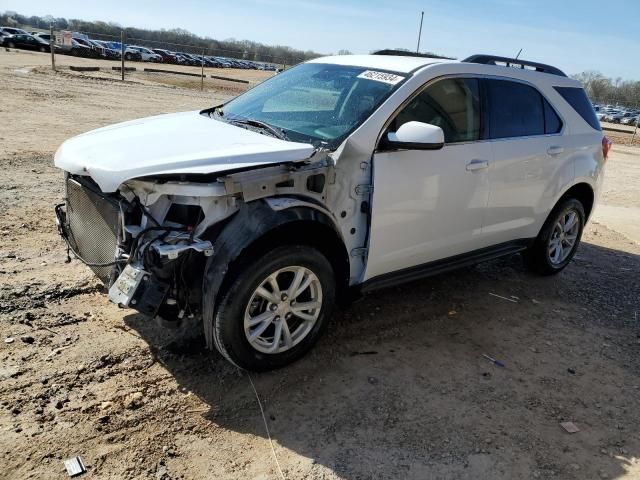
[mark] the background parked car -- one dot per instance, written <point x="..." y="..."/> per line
<point x="43" y="36"/>
<point x="12" y="31"/>
<point x="630" y="120"/>
<point x="110" y="53"/>
<point x="617" y="117"/>
<point x="25" y="42"/>
<point x="146" y="54"/>
<point x="188" y="59"/>
<point x="167" y="56"/>
<point x="132" y="54"/>
<point x="94" y="51"/>
<point x="78" y="49"/>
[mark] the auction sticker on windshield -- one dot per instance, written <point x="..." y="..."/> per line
<point x="390" y="78"/>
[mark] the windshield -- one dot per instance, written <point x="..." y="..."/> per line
<point x="315" y="103"/>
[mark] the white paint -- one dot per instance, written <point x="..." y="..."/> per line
<point x="417" y="132"/>
<point x="428" y="206"/>
<point x="381" y="62"/>
<point x="176" y="143"/>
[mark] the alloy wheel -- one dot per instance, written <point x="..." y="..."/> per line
<point x="564" y="237"/>
<point x="283" y="309"/>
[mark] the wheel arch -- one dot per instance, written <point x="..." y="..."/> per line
<point x="584" y="193"/>
<point x="258" y="227"/>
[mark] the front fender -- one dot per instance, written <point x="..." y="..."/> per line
<point x="253" y="221"/>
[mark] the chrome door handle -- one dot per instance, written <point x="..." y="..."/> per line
<point x="555" y="151"/>
<point x="477" y="165"/>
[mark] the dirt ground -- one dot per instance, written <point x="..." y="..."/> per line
<point x="398" y="388"/>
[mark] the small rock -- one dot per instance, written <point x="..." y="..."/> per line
<point x="27" y="339"/>
<point x="133" y="401"/>
<point x="9" y="340"/>
<point x="572" y="371"/>
<point x="373" y="380"/>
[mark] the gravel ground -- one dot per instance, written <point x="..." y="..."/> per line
<point x="398" y="388"/>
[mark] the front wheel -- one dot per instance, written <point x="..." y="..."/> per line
<point x="558" y="240"/>
<point x="275" y="309"/>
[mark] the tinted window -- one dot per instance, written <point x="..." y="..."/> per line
<point x="452" y="104"/>
<point x="515" y="110"/>
<point x="577" y="98"/>
<point x="552" y="123"/>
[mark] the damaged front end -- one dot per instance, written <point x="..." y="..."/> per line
<point x="144" y="241"/>
<point x="149" y="241"/>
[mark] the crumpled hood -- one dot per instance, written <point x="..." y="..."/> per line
<point x="185" y="142"/>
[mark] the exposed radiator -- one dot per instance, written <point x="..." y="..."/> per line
<point x="93" y="226"/>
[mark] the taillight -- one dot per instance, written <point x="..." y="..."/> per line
<point x="606" y="146"/>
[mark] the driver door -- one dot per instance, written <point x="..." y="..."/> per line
<point x="429" y="204"/>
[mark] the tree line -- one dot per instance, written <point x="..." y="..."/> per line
<point x="173" y="39"/>
<point x="610" y="90"/>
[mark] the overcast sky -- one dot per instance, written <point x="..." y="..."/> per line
<point x="575" y="35"/>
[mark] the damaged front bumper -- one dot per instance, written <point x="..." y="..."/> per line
<point x="142" y="263"/>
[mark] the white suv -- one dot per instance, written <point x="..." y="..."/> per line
<point x="343" y="173"/>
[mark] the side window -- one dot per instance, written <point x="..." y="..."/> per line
<point x="577" y="98"/>
<point x="452" y="104"/>
<point x="552" y="123"/>
<point x="515" y="110"/>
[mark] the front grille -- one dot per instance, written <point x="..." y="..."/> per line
<point x="93" y="226"/>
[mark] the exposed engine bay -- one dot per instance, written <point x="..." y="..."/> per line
<point x="149" y="241"/>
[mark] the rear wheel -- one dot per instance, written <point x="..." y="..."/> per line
<point x="558" y="240"/>
<point x="43" y="49"/>
<point x="11" y="45"/>
<point x="275" y="309"/>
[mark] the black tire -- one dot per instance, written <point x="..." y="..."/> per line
<point x="11" y="45"/>
<point x="43" y="49"/>
<point x="127" y="56"/>
<point x="228" y="323"/>
<point x="537" y="257"/>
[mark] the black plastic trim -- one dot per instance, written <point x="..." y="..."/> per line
<point x="252" y="221"/>
<point x="390" y="146"/>
<point x="511" y="62"/>
<point x="445" y="265"/>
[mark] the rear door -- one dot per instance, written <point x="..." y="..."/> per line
<point x="428" y="204"/>
<point x="528" y="150"/>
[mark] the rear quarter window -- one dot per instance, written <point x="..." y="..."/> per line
<point x="577" y="98"/>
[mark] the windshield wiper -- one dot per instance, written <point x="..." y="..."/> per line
<point x="276" y="132"/>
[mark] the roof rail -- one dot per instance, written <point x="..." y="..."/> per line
<point x="514" y="63"/>
<point x="407" y="53"/>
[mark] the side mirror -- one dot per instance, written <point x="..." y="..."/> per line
<point x="415" y="136"/>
